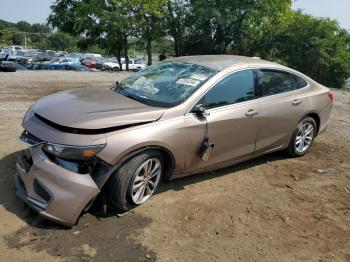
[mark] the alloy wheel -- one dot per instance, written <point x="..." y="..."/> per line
<point x="146" y="179"/>
<point x="304" y="137"/>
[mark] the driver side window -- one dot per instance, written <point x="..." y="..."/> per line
<point x="235" y="88"/>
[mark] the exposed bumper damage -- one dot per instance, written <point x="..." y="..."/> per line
<point x="54" y="192"/>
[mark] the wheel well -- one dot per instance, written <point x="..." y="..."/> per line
<point x="169" y="162"/>
<point x="317" y="120"/>
<point x="168" y="159"/>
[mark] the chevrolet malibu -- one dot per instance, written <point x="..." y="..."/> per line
<point x="182" y="116"/>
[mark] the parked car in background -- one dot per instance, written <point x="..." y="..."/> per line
<point x="112" y="64"/>
<point x="17" y="66"/>
<point x="16" y="55"/>
<point x="65" y="61"/>
<point x="89" y="62"/>
<point x="77" y="68"/>
<point x="133" y="65"/>
<point x="90" y="56"/>
<point x="347" y="83"/>
<point x="37" y="66"/>
<point x="183" y="116"/>
<point x="55" y="67"/>
<point x="6" y="67"/>
<point x="10" y="50"/>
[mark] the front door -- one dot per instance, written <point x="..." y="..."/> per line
<point x="231" y="123"/>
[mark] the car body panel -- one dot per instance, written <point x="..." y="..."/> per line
<point x="65" y="188"/>
<point x="179" y="132"/>
<point x="229" y="129"/>
<point x="94" y="108"/>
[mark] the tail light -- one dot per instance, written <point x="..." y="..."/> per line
<point x="330" y="96"/>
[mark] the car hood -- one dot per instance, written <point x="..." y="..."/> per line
<point x="94" y="108"/>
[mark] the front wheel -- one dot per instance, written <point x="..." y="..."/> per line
<point x="136" y="181"/>
<point x="303" y="137"/>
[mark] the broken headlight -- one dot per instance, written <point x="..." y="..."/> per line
<point x="75" y="153"/>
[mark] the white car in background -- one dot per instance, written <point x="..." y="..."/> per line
<point x="347" y="83"/>
<point x="114" y="65"/>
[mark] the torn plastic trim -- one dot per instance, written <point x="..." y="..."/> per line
<point x="84" y="131"/>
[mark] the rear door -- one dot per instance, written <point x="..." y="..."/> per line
<point x="282" y="106"/>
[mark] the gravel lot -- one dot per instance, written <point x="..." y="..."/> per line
<point x="269" y="209"/>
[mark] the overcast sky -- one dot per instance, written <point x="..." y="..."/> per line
<point x="36" y="11"/>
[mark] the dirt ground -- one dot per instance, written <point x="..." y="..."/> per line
<point x="269" y="209"/>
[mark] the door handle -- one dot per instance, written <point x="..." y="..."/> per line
<point x="297" y="102"/>
<point x="252" y="112"/>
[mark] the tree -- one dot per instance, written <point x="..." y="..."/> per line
<point x="146" y="20"/>
<point x="95" y="22"/>
<point x="317" y="47"/>
<point x="108" y="23"/>
<point x="221" y="26"/>
<point x="61" y="41"/>
<point x="24" y="26"/>
<point x="177" y="13"/>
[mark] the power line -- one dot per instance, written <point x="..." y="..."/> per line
<point x="23" y="32"/>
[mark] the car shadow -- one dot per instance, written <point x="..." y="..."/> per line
<point x="14" y="205"/>
<point x="180" y="183"/>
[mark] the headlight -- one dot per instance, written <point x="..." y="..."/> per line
<point x="77" y="153"/>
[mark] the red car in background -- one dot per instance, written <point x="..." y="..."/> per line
<point x="89" y="63"/>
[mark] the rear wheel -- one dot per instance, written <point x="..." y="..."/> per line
<point x="136" y="181"/>
<point x="303" y="137"/>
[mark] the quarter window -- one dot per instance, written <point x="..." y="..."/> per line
<point x="237" y="87"/>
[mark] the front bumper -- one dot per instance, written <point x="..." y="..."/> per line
<point x="55" y="192"/>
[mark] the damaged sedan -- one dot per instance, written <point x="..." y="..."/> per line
<point x="182" y="116"/>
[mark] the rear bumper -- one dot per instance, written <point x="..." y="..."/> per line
<point x="324" y="118"/>
<point x="54" y="192"/>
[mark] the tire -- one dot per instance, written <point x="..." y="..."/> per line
<point x="119" y="188"/>
<point x="300" y="142"/>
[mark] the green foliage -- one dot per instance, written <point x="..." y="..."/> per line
<point x="62" y="41"/>
<point x="264" y="28"/>
<point x="317" y="47"/>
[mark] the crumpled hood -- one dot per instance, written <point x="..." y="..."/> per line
<point x="94" y="108"/>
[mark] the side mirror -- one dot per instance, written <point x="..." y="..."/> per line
<point x="199" y="110"/>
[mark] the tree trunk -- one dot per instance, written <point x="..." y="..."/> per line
<point x="118" y="55"/>
<point x="176" y="46"/>
<point x="126" y="54"/>
<point x="149" y="50"/>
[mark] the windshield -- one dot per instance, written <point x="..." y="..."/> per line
<point x="166" y="84"/>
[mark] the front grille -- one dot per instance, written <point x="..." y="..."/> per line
<point x="41" y="191"/>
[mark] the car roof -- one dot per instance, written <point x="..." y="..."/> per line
<point x="222" y="62"/>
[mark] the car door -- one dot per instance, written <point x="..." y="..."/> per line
<point x="281" y="108"/>
<point x="231" y="119"/>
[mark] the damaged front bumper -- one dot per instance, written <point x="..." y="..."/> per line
<point x="56" y="193"/>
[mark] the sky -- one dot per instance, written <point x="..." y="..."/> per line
<point x="36" y="11"/>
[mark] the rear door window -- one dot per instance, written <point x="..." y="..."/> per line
<point x="298" y="82"/>
<point x="273" y="82"/>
